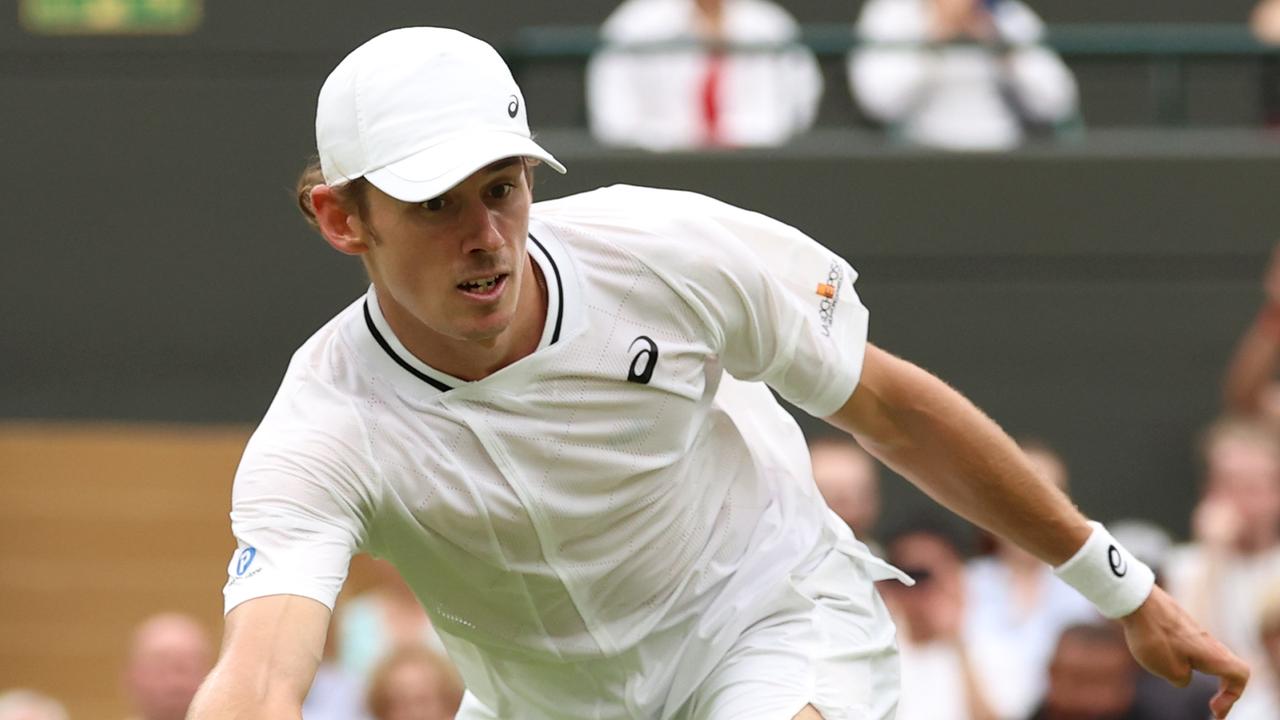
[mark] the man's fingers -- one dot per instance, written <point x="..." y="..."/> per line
<point x="1233" y="675"/>
<point x="1222" y="703"/>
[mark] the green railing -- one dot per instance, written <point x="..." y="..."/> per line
<point x="1167" y="48"/>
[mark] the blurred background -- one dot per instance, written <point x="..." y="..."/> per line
<point x="1064" y="208"/>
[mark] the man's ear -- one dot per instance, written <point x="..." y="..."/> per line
<point x="341" y="227"/>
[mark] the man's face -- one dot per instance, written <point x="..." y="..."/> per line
<point x="454" y="263"/>
<point x="1090" y="680"/>
<point x="848" y="482"/>
<point x="931" y="607"/>
<point x="166" y="668"/>
<point x="413" y="693"/>
<point x="1247" y="475"/>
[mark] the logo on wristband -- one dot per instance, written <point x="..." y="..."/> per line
<point x="1116" y="560"/>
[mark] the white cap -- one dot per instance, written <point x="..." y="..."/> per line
<point x="418" y="110"/>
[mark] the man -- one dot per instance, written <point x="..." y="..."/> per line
<point x="1223" y="575"/>
<point x="169" y="657"/>
<point x="939" y="678"/>
<point x="694" y="93"/>
<point x="522" y="415"/>
<point x="959" y="75"/>
<point x="849" y="481"/>
<point x="1092" y="677"/>
<point x="1016" y="609"/>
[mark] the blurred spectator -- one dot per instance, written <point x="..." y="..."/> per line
<point x="1151" y="544"/>
<point x="1017" y="607"/>
<point x="1251" y="387"/>
<point x="1220" y="578"/>
<point x="1265" y="21"/>
<point x="334" y="693"/>
<point x="168" y="659"/>
<point x="376" y="622"/>
<point x="699" y="96"/>
<point x="1257" y="704"/>
<point x="938" y="679"/>
<point x="414" y="683"/>
<point x="980" y="91"/>
<point x="849" y="480"/>
<point x="1265" y="24"/>
<point x="1092" y="676"/>
<point x="29" y="705"/>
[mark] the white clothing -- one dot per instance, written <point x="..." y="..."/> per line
<point x="1011" y="651"/>
<point x="957" y="97"/>
<point x="654" y="99"/>
<point x="592" y="527"/>
<point x="827" y="641"/>
<point x="932" y="683"/>
<point x="1234" y="603"/>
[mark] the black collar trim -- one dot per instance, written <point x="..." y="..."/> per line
<point x="555" y="269"/>
<point x="382" y="342"/>
<point x="443" y="387"/>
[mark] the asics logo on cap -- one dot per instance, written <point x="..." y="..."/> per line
<point x="513" y="107"/>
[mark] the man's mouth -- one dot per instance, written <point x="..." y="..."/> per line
<point x="484" y="287"/>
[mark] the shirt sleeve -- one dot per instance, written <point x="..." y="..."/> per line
<point x="780" y="307"/>
<point x="298" y="512"/>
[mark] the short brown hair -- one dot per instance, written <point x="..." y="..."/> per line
<point x="352" y="193"/>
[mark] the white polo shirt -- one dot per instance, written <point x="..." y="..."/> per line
<point x="596" y="501"/>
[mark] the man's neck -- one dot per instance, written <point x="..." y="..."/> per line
<point x="473" y="360"/>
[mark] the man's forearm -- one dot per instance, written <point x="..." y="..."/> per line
<point x="223" y="697"/>
<point x="1254" y="363"/>
<point x="942" y="443"/>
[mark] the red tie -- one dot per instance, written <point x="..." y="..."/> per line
<point x="711" y="98"/>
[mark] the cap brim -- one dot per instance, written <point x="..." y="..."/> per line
<point x="432" y="172"/>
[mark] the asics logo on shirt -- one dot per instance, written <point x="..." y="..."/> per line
<point x="642" y="364"/>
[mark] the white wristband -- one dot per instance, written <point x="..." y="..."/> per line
<point x="1107" y="575"/>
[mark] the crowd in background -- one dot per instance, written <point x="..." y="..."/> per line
<point x="960" y="75"/>
<point x="987" y="632"/>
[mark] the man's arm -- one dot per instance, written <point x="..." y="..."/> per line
<point x="1253" y="365"/>
<point x="270" y="651"/>
<point x="930" y="434"/>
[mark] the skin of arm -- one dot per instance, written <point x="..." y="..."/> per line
<point x="1253" y="366"/>
<point x="931" y="435"/>
<point x="270" y="651"/>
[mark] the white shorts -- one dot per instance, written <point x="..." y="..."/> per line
<point x="827" y="641"/>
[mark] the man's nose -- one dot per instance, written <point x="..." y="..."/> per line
<point x="481" y="229"/>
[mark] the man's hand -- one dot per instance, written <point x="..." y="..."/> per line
<point x="1167" y="642"/>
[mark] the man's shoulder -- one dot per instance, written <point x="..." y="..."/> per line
<point x="317" y="394"/>
<point x="672" y="229"/>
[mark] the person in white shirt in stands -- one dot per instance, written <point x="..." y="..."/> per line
<point x="701" y="96"/>
<point x="1015" y="609"/>
<point x="979" y="93"/>
<point x="523" y="415"/>
<point x="1222" y="577"/>
<point x="939" y="678"/>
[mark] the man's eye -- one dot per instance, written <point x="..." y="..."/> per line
<point x="501" y="191"/>
<point x="435" y="204"/>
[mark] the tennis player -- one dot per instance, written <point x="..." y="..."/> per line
<point x="553" y="420"/>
